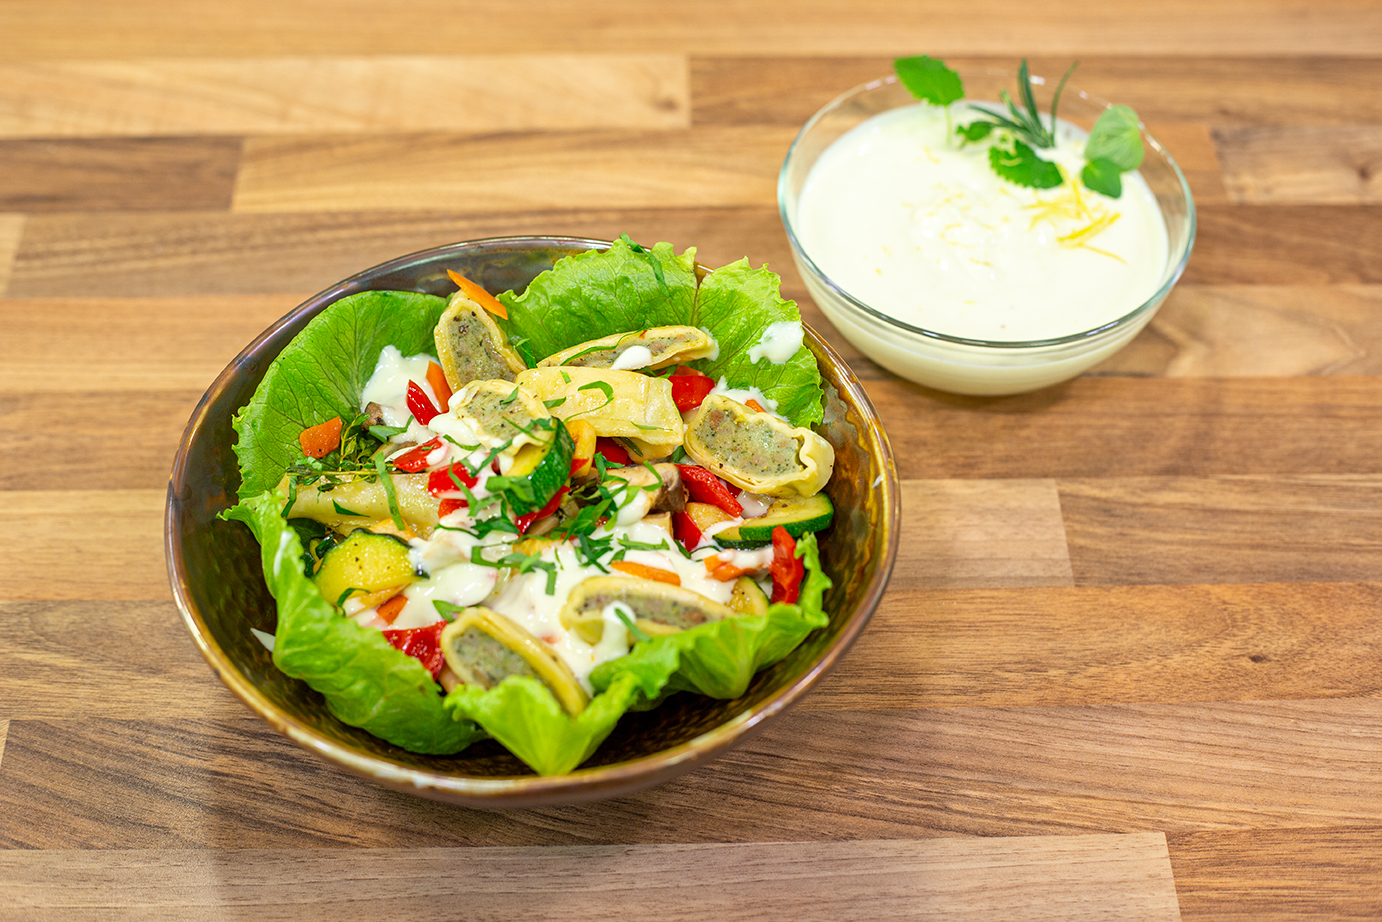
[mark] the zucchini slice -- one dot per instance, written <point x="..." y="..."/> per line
<point x="544" y="468"/>
<point x="797" y="514"/>
<point x="362" y="564"/>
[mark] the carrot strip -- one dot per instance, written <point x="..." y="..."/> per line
<point x="646" y="572"/>
<point x="322" y="439"/>
<point x="477" y="294"/>
<point x="437" y="378"/>
<point x="724" y="570"/>
<point x="389" y="610"/>
<point x="754" y="405"/>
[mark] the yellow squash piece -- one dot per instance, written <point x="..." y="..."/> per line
<point x="662" y="346"/>
<point x="365" y="563"/>
<point x="471" y="346"/>
<point x="483" y="648"/>
<point x="624" y="404"/>
<point x="658" y="608"/>
<point x="348" y="500"/>
<point x="756" y="451"/>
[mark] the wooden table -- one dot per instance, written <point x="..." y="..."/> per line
<point x="1128" y="665"/>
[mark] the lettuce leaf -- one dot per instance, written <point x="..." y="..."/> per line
<point x="366" y="682"/>
<point x="628" y="287"/>
<point x="321" y="374"/>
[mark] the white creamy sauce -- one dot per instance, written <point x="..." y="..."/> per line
<point x="633" y="358"/>
<point x="755" y="504"/>
<point x="920" y="228"/>
<point x="388" y="386"/>
<point x="745" y="394"/>
<point x="779" y="342"/>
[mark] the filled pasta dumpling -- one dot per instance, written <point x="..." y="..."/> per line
<point x="758" y="452"/>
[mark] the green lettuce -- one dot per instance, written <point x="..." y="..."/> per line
<point x="366" y="682"/>
<point x="321" y="374"/>
<point x="629" y="287"/>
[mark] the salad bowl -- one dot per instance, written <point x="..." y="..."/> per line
<point x="215" y="573"/>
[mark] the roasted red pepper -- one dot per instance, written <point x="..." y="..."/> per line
<point x="415" y="461"/>
<point x="440" y="481"/>
<point x="684" y="529"/>
<point x="422" y="644"/>
<point x="614" y="452"/>
<point x="705" y="487"/>
<point x="524" y="522"/>
<point x="450" y="505"/>
<point x="689" y="387"/>
<point x="420" y="404"/>
<point x="786" y="570"/>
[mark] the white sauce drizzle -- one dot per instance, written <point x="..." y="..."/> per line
<point x="633" y="358"/>
<point x="779" y="342"/>
<point x="388" y="386"/>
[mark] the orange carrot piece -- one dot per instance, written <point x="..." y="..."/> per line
<point x="437" y="378"/>
<point x="646" y="572"/>
<point x="723" y="570"/>
<point x="389" y="610"/>
<point x="754" y="405"/>
<point x="477" y="294"/>
<point x="322" y="439"/>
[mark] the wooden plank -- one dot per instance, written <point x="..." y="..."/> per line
<point x="993" y="533"/>
<point x="176" y="254"/>
<point x="1278" y="90"/>
<point x="1135" y="644"/>
<point x="474" y="93"/>
<point x="4" y="732"/>
<point x="143" y="666"/>
<point x="1037" y="878"/>
<point x="11" y="231"/>
<point x="1285" y="245"/>
<point x="1302" y="528"/>
<point x="1126" y="427"/>
<point x="622" y="169"/>
<point x="1302" y="165"/>
<point x="111" y="458"/>
<point x="106" y="342"/>
<point x="82" y="544"/>
<point x="73" y="29"/>
<point x="902" y="773"/>
<point x="1248" y="330"/>
<point x="129" y="174"/>
<point x="1279" y="875"/>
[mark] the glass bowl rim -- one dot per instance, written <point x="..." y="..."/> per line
<point x="1084" y="336"/>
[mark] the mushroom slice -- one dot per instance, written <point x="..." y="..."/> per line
<point x="654" y="348"/>
<point x="624" y="404"/>
<point x="661" y="485"/>
<point x="656" y="608"/>
<point x="756" y="451"/>
<point x="483" y="648"/>
<point x="471" y="346"/>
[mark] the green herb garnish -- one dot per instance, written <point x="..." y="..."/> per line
<point x="389" y="492"/>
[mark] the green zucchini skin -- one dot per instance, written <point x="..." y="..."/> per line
<point x="798" y="515"/>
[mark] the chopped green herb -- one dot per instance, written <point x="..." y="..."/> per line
<point x="389" y="492"/>
<point x="554" y="402"/>
<point x="447" y="610"/>
<point x="384" y="433"/>
<point x="342" y="510"/>
<point x="628" y="623"/>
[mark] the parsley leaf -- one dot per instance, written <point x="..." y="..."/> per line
<point x="1023" y="167"/>
<point x="929" y="79"/>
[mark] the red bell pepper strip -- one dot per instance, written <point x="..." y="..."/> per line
<point x="786" y="570"/>
<point x="322" y="439"/>
<point x="421" y="643"/>
<point x="705" y="487"/>
<point x="420" y="404"/>
<point x="440" y="481"/>
<point x="450" y="505"/>
<point x="415" y="461"/>
<point x="689" y="387"/>
<point x="437" y="378"/>
<point x="684" y="529"/>
<point x="524" y="522"/>
<point x="614" y="452"/>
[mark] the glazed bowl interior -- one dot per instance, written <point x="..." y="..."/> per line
<point x="956" y="363"/>
<point x="214" y="568"/>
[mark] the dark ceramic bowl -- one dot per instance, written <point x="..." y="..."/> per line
<point x="214" y="567"/>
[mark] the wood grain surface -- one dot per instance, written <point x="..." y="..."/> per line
<point x="1127" y="665"/>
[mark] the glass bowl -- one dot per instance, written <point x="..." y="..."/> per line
<point x="215" y="570"/>
<point x="955" y="363"/>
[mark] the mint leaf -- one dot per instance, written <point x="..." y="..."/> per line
<point x="929" y="79"/>
<point x="1116" y="138"/>
<point x="975" y="131"/>
<point x="321" y="373"/>
<point x="1103" y="175"/>
<point x="1022" y="166"/>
